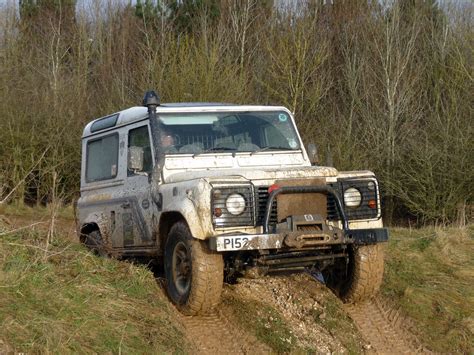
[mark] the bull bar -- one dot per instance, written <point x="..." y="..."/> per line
<point x="299" y="239"/>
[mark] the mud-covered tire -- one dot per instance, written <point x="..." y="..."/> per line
<point x="364" y="274"/>
<point x="95" y="244"/>
<point x="194" y="274"/>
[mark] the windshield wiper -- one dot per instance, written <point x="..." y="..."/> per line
<point x="214" y="149"/>
<point x="271" y="148"/>
<point x="225" y="149"/>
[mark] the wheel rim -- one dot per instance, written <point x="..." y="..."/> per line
<point x="181" y="268"/>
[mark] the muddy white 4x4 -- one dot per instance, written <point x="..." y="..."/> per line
<point x="218" y="191"/>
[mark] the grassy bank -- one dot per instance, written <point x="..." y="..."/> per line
<point x="64" y="299"/>
<point x="430" y="276"/>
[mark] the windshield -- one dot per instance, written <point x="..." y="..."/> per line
<point x="206" y="132"/>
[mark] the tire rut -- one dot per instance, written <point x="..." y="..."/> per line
<point x="387" y="331"/>
<point x="215" y="334"/>
<point x="382" y="328"/>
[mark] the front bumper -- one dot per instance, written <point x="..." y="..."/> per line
<point x="296" y="240"/>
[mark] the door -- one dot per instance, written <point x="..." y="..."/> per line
<point x="137" y="209"/>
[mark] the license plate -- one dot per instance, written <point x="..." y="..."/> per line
<point x="234" y="243"/>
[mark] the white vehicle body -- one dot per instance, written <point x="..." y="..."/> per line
<point x="135" y="210"/>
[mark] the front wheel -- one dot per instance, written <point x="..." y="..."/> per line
<point x="361" y="278"/>
<point x="194" y="275"/>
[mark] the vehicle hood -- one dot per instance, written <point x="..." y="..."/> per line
<point x="263" y="173"/>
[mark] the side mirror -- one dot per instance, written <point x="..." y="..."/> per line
<point x="135" y="159"/>
<point x="329" y="160"/>
<point x="312" y="151"/>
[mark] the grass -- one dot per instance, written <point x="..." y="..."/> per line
<point x="265" y="323"/>
<point x="68" y="300"/>
<point x="430" y="276"/>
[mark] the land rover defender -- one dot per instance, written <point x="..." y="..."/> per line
<point x="217" y="191"/>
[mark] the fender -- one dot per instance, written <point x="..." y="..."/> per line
<point x="102" y="221"/>
<point x="192" y="199"/>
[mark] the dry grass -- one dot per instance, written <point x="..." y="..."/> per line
<point x="430" y="276"/>
<point x="35" y="213"/>
<point x="73" y="301"/>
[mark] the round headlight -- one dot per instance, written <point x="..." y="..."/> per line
<point x="235" y="204"/>
<point x="352" y="197"/>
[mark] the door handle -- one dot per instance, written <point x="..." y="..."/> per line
<point x="125" y="205"/>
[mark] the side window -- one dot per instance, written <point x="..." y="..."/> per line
<point x="102" y="158"/>
<point x="139" y="137"/>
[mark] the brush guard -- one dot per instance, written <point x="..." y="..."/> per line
<point x="299" y="232"/>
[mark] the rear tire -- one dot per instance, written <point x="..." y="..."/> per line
<point x="95" y="243"/>
<point x="363" y="277"/>
<point x="194" y="275"/>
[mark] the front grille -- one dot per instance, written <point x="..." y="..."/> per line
<point x="354" y="213"/>
<point x="262" y="197"/>
<point x="253" y="216"/>
<point x="227" y="219"/>
<point x="332" y="213"/>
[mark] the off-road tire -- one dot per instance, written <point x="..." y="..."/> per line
<point x="363" y="275"/>
<point x="95" y="244"/>
<point x="206" y="272"/>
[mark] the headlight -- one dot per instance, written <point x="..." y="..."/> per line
<point x="352" y="197"/>
<point x="235" y="204"/>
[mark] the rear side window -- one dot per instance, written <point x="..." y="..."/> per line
<point x="103" y="123"/>
<point x="102" y="158"/>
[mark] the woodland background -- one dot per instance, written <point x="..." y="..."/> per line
<point x="386" y="86"/>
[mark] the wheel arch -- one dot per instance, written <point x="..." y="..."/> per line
<point x="92" y="222"/>
<point x="87" y="228"/>
<point x="167" y="220"/>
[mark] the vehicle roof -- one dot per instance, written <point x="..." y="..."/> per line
<point x="195" y="104"/>
<point x="137" y="113"/>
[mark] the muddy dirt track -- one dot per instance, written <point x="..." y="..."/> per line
<point x="296" y="297"/>
<point x="214" y="334"/>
